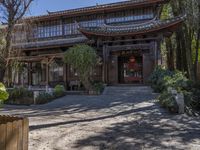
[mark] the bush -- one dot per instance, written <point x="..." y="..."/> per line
<point x="98" y="87"/>
<point x="44" y="97"/>
<point x="3" y="93"/>
<point x="59" y="91"/>
<point x="168" y="101"/>
<point x="161" y="79"/>
<point x="20" y="96"/>
<point x="20" y="93"/>
<point x="177" y="80"/>
<point x="157" y="78"/>
<point x="192" y="96"/>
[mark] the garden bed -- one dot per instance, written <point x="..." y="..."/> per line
<point x="22" y="96"/>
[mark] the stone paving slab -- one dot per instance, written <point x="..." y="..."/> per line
<point x="118" y="121"/>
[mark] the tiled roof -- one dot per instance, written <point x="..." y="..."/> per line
<point x="51" y="43"/>
<point x="135" y="29"/>
<point x="91" y="9"/>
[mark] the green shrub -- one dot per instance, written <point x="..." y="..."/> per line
<point x="20" y="96"/>
<point x="161" y="79"/>
<point x="59" y="91"/>
<point x="177" y="81"/>
<point x="192" y="97"/>
<point x="44" y="97"/>
<point x="168" y="101"/>
<point x="3" y="93"/>
<point x="19" y="93"/>
<point x="98" y="87"/>
<point x="157" y="78"/>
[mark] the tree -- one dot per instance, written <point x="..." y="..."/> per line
<point x="183" y="47"/>
<point x="83" y="59"/>
<point x="197" y="42"/>
<point x="2" y="48"/>
<point x="13" y="11"/>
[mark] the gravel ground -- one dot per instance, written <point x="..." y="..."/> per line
<point x="120" y="119"/>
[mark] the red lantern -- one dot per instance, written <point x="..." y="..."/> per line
<point x="132" y="59"/>
<point x="131" y="64"/>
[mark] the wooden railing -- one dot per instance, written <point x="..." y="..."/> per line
<point x="13" y="133"/>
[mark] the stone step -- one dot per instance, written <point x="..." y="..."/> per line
<point x="127" y="90"/>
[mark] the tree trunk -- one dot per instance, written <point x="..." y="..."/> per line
<point x="7" y="52"/>
<point x="2" y="69"/>
<point x="188" y="43"/>
<point x="2" y="74"/>
<point x="197" y="54"/>
<point x="170" y="54"/>
<point x="181" y="60"/>
<point x="197" y="48"/>
<point x="87" y="84"/>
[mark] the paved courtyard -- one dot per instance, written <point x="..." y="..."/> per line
<point x="123" y="118"/>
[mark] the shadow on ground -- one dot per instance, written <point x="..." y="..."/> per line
<point x="77" y="104"/>
<point x="151" y="131"/>
<point x="137" y="122"/>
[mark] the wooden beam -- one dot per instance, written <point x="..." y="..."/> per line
<point x="132" y="40"/>
<point x="38" y="57"/>
<point x="129" y="47"/>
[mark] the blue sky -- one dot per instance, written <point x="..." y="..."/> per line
<point x="40" y="7"/>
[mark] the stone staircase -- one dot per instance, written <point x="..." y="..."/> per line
<point x="127" y="89"/>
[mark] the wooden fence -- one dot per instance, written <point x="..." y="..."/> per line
<point x="13" y="133"/>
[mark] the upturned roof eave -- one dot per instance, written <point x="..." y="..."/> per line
<point x="167" y="26"/>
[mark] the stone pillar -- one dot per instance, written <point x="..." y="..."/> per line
<point x="181" y="103"/>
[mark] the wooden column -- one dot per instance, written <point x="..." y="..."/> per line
<point x="30" y="74"/>
<point x="156" y="53"/>
<point x="65" y="74"/>
<point x="47" y="74"/>
<point x="159" y="56"/>
<point x="9" y="76"/>
<point x="105" y="64"/>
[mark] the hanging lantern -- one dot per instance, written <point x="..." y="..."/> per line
<point x="132" y="59"/>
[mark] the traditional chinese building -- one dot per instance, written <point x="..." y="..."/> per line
<point x="126" y="35"/>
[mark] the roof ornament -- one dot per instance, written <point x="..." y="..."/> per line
<point x="48" y="12"/>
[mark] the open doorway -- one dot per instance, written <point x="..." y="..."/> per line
<point x="130" y="69"/>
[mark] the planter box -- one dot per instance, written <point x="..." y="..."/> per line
<point x="13" y="133"/>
